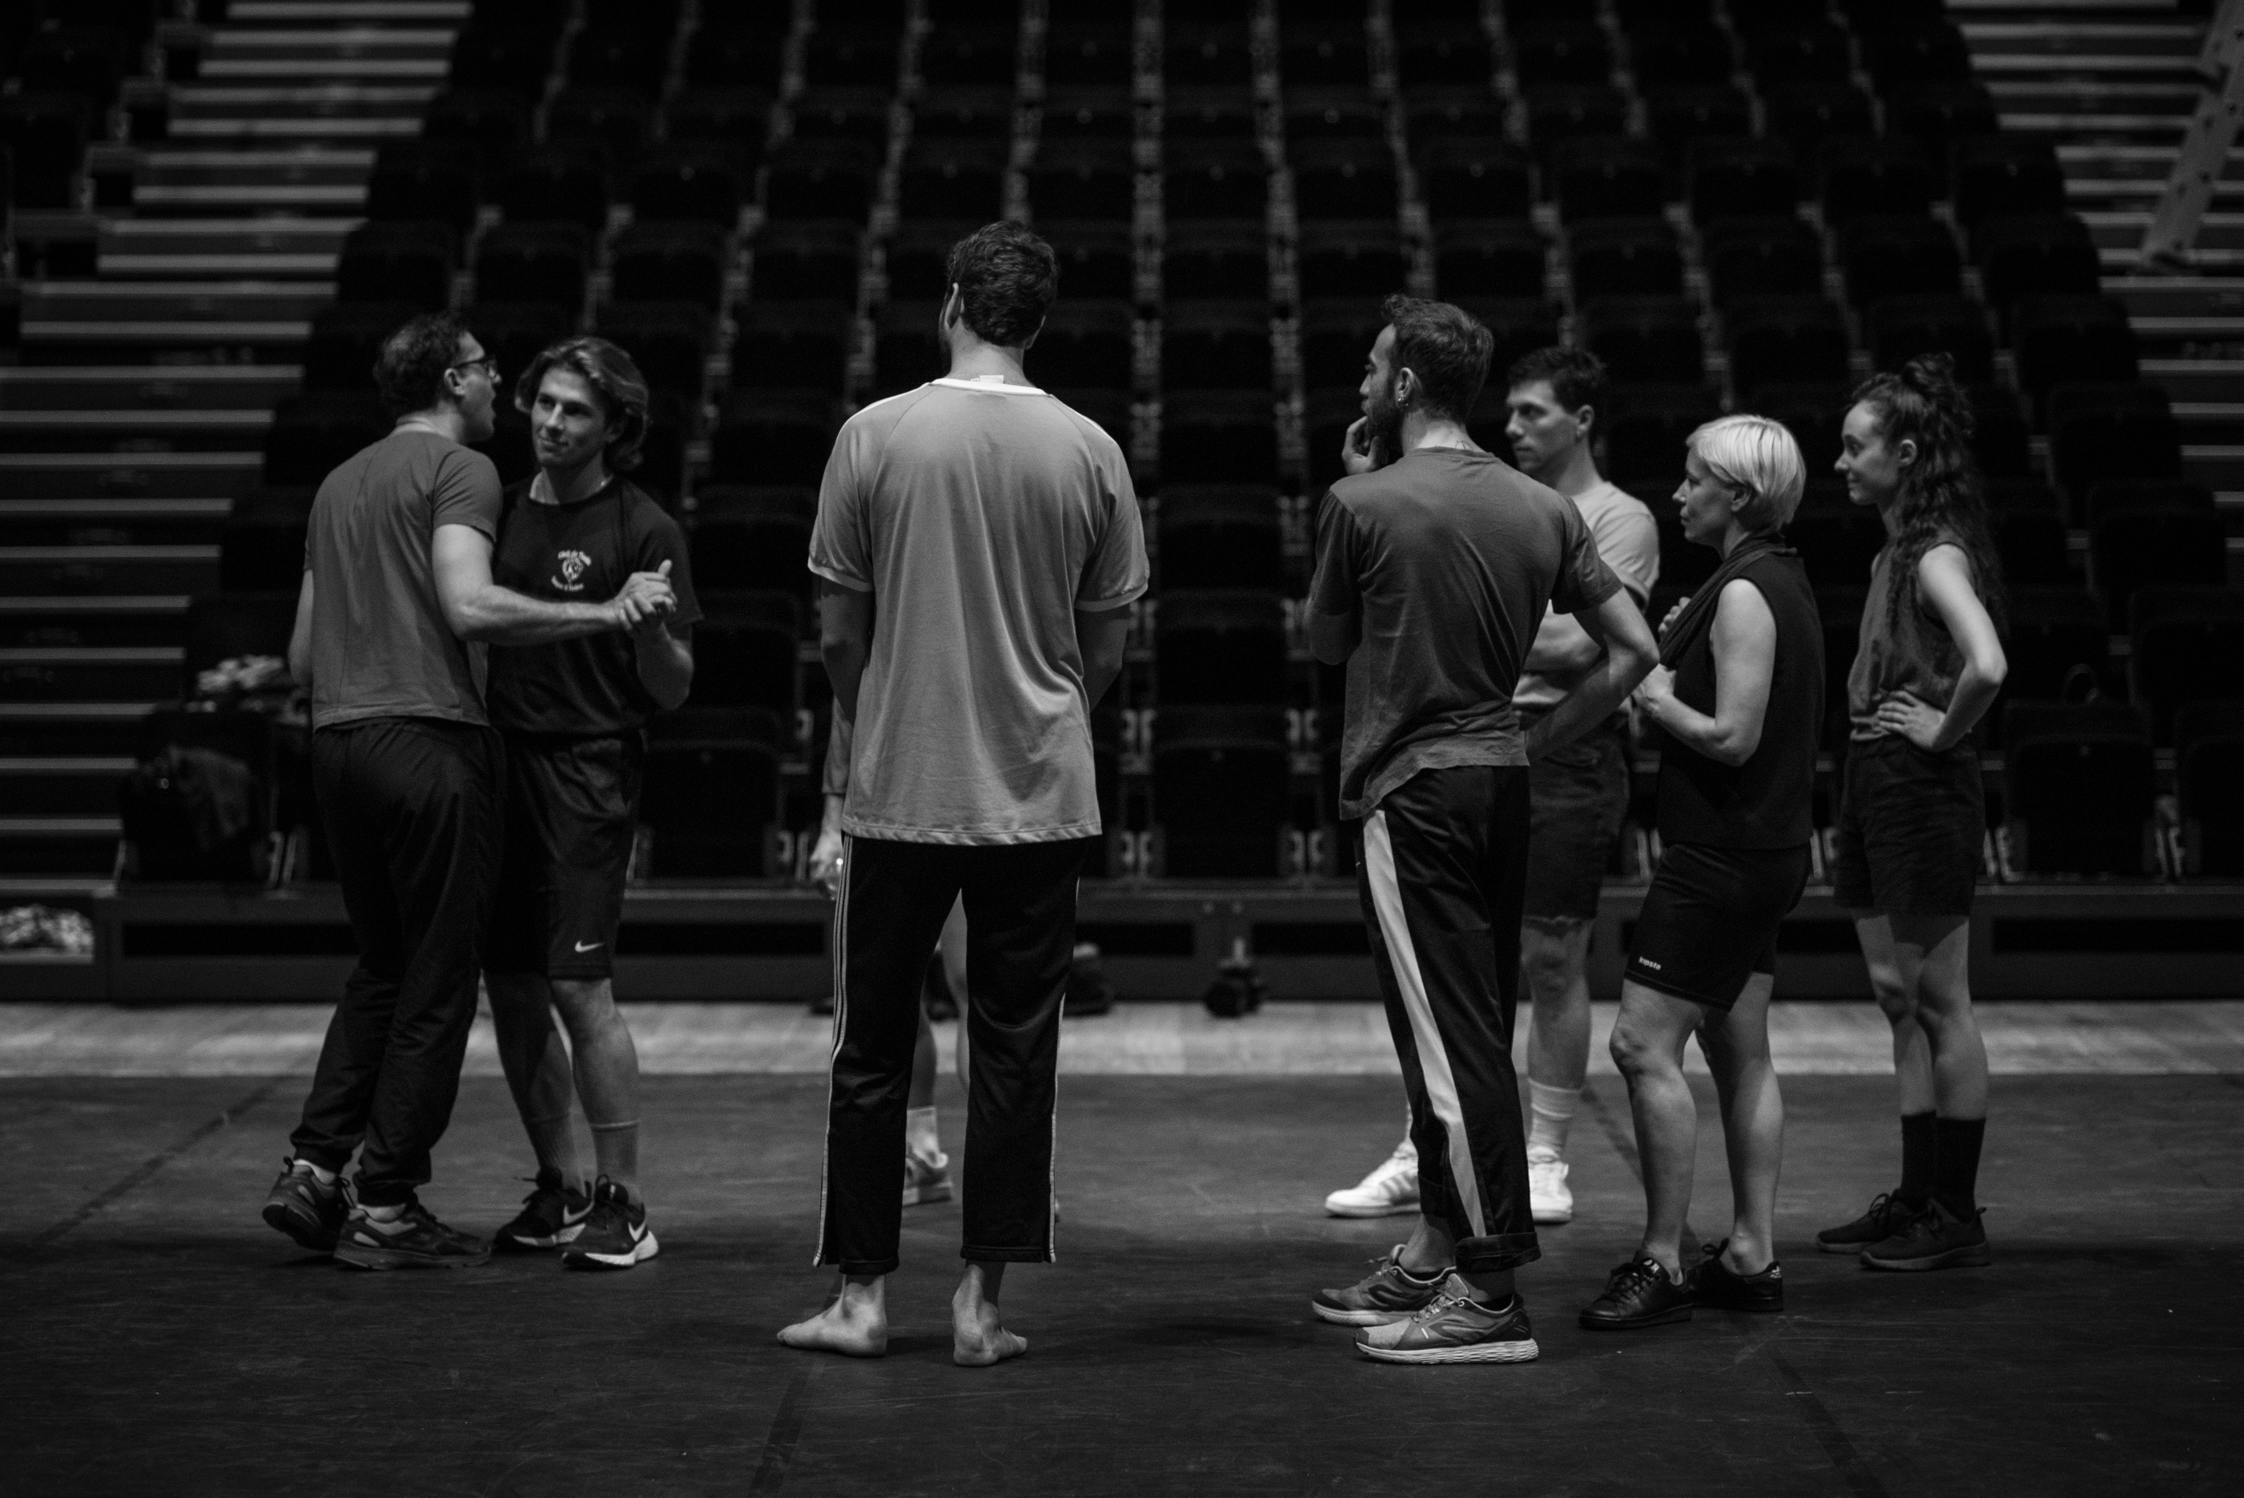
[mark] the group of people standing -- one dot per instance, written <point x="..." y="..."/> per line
<point x="977" y="547"/>
<point x="1735" y="705"/>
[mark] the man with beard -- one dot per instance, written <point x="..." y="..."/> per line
<point x="1435" y="561"/>
<point x="1578" y="795"/>
<point x="396" y="607"/>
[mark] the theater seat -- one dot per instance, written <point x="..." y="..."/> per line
<point x="1219" y="536"/>
<point x="2209" y="787"/>
<point x="1220" y="646"/>
<point x="711" y="804"/>
<point x="1220" y="791"/>
<point x="2078" y="786"/>
<point x="2188" y="647"/>
<point x="2058" y="647"/>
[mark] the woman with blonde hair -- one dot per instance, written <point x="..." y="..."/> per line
<point x="1736" y="701"/>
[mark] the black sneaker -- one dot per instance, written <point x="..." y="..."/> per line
<point x="414" y="1240"/>
<point x="1716" y="1284"/>
<point x="1638" y="1294"/>
<point x="551" y="1217"/>
<point x="1886" y="1215"/>
<point x="1935" y="1238"/>
<point x="300" y="1206"/>
<point x="615" y="1236"/>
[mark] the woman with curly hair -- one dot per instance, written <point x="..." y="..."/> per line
<point x="1911" y="814"/>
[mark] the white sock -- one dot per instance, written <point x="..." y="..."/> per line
<point x="920" y="1135"/>
<point x="324" y="1176"/>
<point x="1550" y="1110"/>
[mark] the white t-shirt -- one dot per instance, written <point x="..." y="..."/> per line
<point x="1629" y="542"/>
<point x="981" y="516"/>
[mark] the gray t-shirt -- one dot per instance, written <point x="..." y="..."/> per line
<point x="1446" y="558"/>
<point x="380" y="646"/>
<point x="1629" y="542"/>
<point x="980" y="516"/>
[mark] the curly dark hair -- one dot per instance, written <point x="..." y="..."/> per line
<point x="414" y="360"/>
<point x="1942" y="495"/>
<point x="1007" y="278"/>
<point x="614" y="377"/>
<point x="1446" y="347"/>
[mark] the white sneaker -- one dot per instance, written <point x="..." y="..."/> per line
<point x="1548" y="1196"/>
<point x="1386" y="1192"/>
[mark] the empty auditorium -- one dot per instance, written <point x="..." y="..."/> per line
<point x="1600" y="609"/>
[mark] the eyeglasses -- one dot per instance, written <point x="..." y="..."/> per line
<point x="490" y="366"/>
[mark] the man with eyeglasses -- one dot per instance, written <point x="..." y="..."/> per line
<point x="396" y="610"/>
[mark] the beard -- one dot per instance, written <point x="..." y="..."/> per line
<point x="1383" y="425"/>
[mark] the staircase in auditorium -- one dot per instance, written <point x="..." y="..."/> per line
<point x="137" y="411"/>
<point x="2112" y="86"/>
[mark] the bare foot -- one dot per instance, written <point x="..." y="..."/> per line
<point x="854" y="1325"/>
<point x="978" y="1339"/>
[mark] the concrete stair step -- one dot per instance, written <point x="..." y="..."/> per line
<point x="2218" y="466"/>
<point x="123" y="475"/>
<point x="250" y="68"/>
<point x="112" y="522"/>
<point x="250" y="197"/>
<point x="80" y="785"/>
<point x="2059" y="127"/>
<point x="194" y="105"/>
<point x="248" y="13"/>
<point x="138" y="340"/>
<point x="2094" y="97"/>
<point x="133" y="431"/>
<point x="90" y="673"/>
<point x="52" y="729"/>
<point x="2053" y="38"/>
<point x="149" y="387"/>
<point x="48" y="302"/>
<point x="2188" y="337"/>
<point x="59" y="846"/>
<point x="328" y="43"/>
<point x="2179" y="296"/>
<point x="301" y="166"/>
<point x="2122" y="229"/>
<point x="2119" y="263"/>
<point x="30" y="571"/>
<point x="2104" y="161"/>
<point x="300" y="130"/>
<point x="2116" y="68"/>
<point x="2141" y="192"/>
<point x="2196" y="379"/>
<point x="2213" y="423"/>
<point x="270" y="234"/>
<point x="98" y="619"/>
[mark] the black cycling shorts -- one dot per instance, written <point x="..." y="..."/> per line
<point x="1710" y="919"/>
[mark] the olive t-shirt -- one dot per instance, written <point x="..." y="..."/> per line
<point x="1629" y="542"/>
<point x="581" y="553"/>
<point x="1446" y="558"/>
<point x="981" y="516"/>
<point x="380" y="646"/>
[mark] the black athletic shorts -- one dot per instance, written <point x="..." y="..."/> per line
<point x="1710" y="919"/>
<point x="1577" y="799"/>
<point x="572" y="810"/>
<point x="1911" y="827"/>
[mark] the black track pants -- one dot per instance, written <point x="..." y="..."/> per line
<point x="1020" y="934"/>
<point x="412" y="811"/>
<point x="1443" y="877"/>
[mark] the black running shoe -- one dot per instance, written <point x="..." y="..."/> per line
<point x="1716" y="1284"/>
<point x="551" y="1217"/>
<point x="615" y="1236"/>
<point x="300" y="1206"/>
<point x="414" y="1240"/>
<point x="1935" y="1238"/>
<point x="1886" y="1215"/>
<point x="1638" y="1294"/>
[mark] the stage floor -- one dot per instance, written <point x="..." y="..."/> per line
<point x="162" y="1339"/>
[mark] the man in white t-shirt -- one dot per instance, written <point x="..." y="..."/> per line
<point x="1578" y="794"/>
<point x="977" y="545"/>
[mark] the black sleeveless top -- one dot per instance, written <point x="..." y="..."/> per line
<point x="1763" y="803"/>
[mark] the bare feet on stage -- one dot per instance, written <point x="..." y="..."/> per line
<point x="978" y="1338"/>
<point x="854" y="1323"/>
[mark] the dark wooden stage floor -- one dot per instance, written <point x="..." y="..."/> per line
<point x="162" y="1340"/>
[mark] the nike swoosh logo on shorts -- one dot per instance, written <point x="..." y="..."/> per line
<point x="590" y="946"/>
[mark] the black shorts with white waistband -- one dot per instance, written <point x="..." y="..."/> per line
<point x="572" y="812"/>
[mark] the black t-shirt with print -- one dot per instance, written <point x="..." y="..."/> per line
<point x="581" y="553"/>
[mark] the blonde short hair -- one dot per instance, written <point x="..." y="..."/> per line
<point x="1759" y="456"/>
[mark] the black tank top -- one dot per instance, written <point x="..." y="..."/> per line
<point x="1763" y="803"/>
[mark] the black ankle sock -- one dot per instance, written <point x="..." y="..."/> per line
<point x="1920" y="1152"/>
<point x="1955" y="1180"/>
